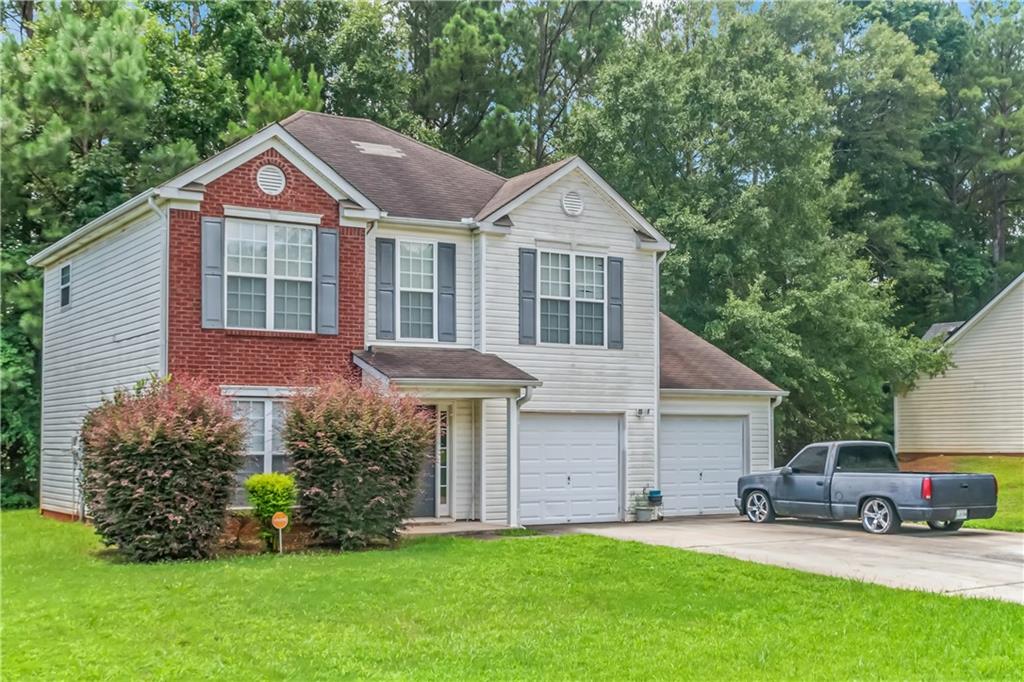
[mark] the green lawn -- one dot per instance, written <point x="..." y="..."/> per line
<point x="1009" y="472"/>
<point x="572" y="607"/>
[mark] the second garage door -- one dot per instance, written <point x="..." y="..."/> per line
<point x="568" y="468"/>
<point x="699" y="460"/>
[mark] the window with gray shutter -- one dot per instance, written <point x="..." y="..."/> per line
<point x="385" y="288"/>
<point x="446" y="292"/>
<point x="327" y="281"/>
<point x="528" y="296"/>
<point x="212" y="247"/>
<point x="615" y="324"/>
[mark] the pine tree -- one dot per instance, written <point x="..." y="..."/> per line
<point x="276" y="94"/>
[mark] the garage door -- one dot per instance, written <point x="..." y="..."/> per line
<point x="568" y="468"/>
<point x="700" y="459"/>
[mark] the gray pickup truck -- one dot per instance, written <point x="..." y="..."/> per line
<point x="862" y="479"/>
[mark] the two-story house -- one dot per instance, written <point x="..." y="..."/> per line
<point x="524" y="310"/>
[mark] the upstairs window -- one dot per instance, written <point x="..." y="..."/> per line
<point x="572" y="299"/>
<point x="269" y="271"/>
<point x="65" y="285"/>
<point x="416" y="290"/>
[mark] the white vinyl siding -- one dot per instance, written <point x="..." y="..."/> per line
<point x="581" y="379"/>
<point x="110" y="336"/>
<point x="465" y="296"/>
<point x="977" y="406"/>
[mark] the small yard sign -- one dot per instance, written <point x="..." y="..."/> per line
<point x="279" y="521"/>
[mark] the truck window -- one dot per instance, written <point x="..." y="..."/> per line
<point x="865" y="458"/>
<point x="810" y="460"/>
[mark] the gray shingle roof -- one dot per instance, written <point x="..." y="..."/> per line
<point x="941" y="330"/>
<point x="690" y="362"/>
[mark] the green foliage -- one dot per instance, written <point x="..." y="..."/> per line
<point x="276" y="94"/>
<point x="356" y="457"/>
<point x="269" y="494"/>
<point x="159" y="466"/>
<point x="870" y="150"/>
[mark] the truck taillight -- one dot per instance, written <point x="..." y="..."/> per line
<point x="926" y="487"/>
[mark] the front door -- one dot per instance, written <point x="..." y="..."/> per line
<point x="434" y="493"/>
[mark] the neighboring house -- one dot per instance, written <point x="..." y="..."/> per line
<point x="977" y="405"/>
<point x="525" y="310"/>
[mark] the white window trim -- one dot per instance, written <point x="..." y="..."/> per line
<point x="270" y="277"/>
<point x="572" y="300"/>
<point x="399" y="289"/>
<point x="60" y="286"/>
<point x="267" y="396"/>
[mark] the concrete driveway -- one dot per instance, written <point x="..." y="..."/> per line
<point x="974" y="563"/>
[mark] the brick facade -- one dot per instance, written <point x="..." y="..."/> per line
<point x="260" y="358"/>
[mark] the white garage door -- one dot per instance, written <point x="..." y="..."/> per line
<point x="700" y="459"/>
<point x="568" y="468"/>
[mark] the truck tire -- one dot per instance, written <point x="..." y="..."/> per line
<point x="878" y="516"/>
<point x="757" y="507"/>
<point x="946" y="525"/>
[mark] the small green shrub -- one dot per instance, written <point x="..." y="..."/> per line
<point x="159" y="466"/>
<point x="269" y="494"/>
<point x="356" y="457"/>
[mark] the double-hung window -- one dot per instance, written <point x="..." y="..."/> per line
<point x="416" y="290"/>
<point x="269" y="270"/>
<point x="572" y="299"/>
<point x="264" y="447"/>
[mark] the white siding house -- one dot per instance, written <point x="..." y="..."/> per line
<point x="977" y="405"/>
<point x="105" y="333"/>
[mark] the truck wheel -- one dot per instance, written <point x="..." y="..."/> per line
<point x="946" y="525"/>
<point x="878" y="516"/>
<point x="758" y="507"/>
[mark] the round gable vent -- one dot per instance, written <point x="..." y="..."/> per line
<point x="270" y="179"/>
<point x="572" y="203"/>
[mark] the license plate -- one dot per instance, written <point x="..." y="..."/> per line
<point x="961" y="514"/>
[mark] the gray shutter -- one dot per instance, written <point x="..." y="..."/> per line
<point x="615" y="303"/>
<point x="212" y="247"/>
<point x="446" y="292"/>
<point x="326" y="281"/>
<point x="385" y="288"/>
<point x="527" y="296"/>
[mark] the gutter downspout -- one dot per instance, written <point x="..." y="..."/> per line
<point x="512" y="439"/>
<point x="775" y="402"/>
<point x="165" y="284"/>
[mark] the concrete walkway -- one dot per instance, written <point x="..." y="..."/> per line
<point x="973" y="563"/>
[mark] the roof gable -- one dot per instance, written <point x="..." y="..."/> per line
<point x="967" y="326"/>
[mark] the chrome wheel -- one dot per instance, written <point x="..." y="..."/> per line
<point x="877" y="516"/>
<point x="757" y="507"/>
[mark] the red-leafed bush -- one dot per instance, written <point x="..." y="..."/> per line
<point x="356" y="457"/>
<point x="159" y="467"/>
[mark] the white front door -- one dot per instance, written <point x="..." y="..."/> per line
<point x="699" y="460"/>
<point x="569" y="468"/>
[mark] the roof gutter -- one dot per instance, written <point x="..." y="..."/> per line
<point x="723" y="392"/>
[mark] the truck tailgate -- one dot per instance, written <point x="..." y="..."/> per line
<point x="963" y="490"/>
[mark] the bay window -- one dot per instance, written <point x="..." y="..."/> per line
<point x="572" y="299"/>
<point x="269" y="270"/>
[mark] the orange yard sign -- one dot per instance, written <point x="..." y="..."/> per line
<point x="279" y="520"/>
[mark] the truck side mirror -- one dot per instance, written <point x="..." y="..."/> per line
<point x="786" y="471"/>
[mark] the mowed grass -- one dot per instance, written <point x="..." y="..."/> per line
<point x="574" y="607"/>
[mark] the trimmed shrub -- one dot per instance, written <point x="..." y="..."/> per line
<point x="159" y="466"/>
<point x="356" y="457"/>
<point x="269" y="494"/>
